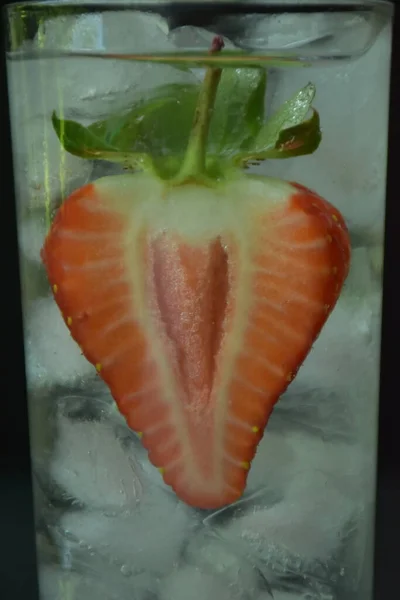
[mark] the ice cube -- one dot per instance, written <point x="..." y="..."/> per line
<point x="58" y="584"/>
<point x="84" y="89"/>
<point x="284" y="31"/>
<point x="149" y="538"/>
<point x="349" y="466"/>
<point x="324" y="419"/>
<point x="214" y="557"/>
<point x="44" y="173"/>
<point x="195" y="38"/>
<point x="52" y="356"/>
<point x="190" y="583"/>
<point x="305" y="528"/>
<point x="90" y="88"/>
<point x="335" y="391"/>
<point x="91" y="465"/>
<point x="302" y="594"/>
<point x="31" y="235"/>
<point x="115" y="31"/>
<point x="270" y="464"/>
<point x="191" y="38"/>
<point x="349" y="167"/>
<point x="281" y="595"/>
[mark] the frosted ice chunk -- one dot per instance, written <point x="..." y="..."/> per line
<point x="52" y="356"/>
<point x="149" y="538"/>
<point x="347" y="465"/>
<point x="305" y="527"/>
<point x="324" y="419"/>
<point x="91" y="465"/>
<point x="335" y="391"/>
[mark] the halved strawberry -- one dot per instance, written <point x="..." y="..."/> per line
<point x="197" y="305"/>
<point x="195" y="290"/>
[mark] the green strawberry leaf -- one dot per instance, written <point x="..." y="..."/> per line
<point x="287" y="134"/>
<point x="291" y="113"/>
<point x="159" y="126"/>
<point x="80" y="141"/>
<point x="238" y="111"/>
<point x="298" y="140"/>
<point x="152" y="124"/>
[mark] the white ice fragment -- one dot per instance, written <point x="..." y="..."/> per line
<point x="52" y="356"/>
<point x="148" y="538"/>
<point x="190" y="583"/>
<point x="91" y="465"/>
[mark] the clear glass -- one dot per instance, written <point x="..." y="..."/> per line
<point x="108" y="527"/>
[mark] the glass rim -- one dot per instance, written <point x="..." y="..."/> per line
<point x="238" y="6"/>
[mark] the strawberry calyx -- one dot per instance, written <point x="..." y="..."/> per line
<point x="200" y="132"/>
<point x="194" y="165"/>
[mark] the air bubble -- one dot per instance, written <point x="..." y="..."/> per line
<point x="126" y="571"/>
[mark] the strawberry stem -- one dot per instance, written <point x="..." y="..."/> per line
<point x="194" y="163"/>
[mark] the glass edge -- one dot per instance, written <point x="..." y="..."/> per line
<point x="80" y="7"/>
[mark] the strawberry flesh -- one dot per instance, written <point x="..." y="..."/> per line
<point x="197" y="307"/>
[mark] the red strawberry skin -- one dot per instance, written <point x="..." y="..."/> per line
<point x="197" y="306"/>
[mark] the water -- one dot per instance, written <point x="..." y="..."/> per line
<point x="107" y="525"/>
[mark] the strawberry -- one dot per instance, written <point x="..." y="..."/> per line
<point x="197" y="297"/>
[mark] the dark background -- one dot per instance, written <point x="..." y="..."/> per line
<point x="17" y="558"/>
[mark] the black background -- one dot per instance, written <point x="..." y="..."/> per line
<point x="17" y="557"/>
